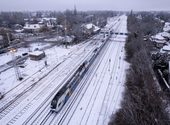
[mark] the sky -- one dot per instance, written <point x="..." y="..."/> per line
<point x="85" y="5"/>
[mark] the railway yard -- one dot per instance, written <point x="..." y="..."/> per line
<point x="94" y="100"/>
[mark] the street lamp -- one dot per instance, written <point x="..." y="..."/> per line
<point x="14" y="64"/>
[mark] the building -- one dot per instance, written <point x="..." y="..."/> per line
<point x="166" y="27"/>
<point x="166" y="35"/>
<point x="88" y="28"/>
<point x="158" y="40"/>
<point x="37" y="55"/>
<point x="33" y="28"/>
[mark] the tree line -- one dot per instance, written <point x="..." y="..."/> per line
<point x="144" y="102"/>
<point x="74" y="20"/>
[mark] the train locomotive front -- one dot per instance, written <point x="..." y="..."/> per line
<point x="59" y="99"/>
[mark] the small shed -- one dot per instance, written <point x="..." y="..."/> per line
<point x="37" y="55"/>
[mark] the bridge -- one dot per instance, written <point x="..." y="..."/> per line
<point x="116" y="33"/>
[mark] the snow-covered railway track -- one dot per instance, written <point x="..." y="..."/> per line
<point x="16" y="101"/>
<point x="60" y="118"/>
<point x="33" y="77"/>
<point x="39" y="117"/>
<point x="70" y="107"/>
<point x="116" y="91"/>
<point x="23" y="86"/>
<point x="109" y="89"/>
<point x="98" y="83"/>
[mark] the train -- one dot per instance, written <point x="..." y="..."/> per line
<point x="65" y="92"/>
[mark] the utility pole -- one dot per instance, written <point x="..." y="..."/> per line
<point x="119" y="62"/>
<point x="109" y="64"/>
<point x="17" y="72"/>
<point x="57" y="33"/>
<point x="8" y="38"/>
<point x="169" y="74"/>
<point x="65" y="33"/>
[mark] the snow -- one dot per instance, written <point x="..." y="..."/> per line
<point x="158" y="41"/>
<point x="158" y="37"/>
<point x="89" y="26"/>
<point x="31" y="26"/>
<point x="166" y="27"/>
<point x="48" y="19"/>
<point x="8" y="79"/>
<point x="68" y="39"/>
<point x="19" y="31"/>
<point x="36" y="53"/>
<point x="99" y="98"/>
<point x="165" y="34"/>
<point x="96" y="28"/>
<point x="166" y="48"/>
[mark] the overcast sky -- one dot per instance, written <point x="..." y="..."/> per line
<point x="83" y="5"/>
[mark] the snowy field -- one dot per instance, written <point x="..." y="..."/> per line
<point x="28" y="101"/>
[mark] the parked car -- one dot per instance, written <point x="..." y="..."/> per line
<point x="2" y="51"/>
<point x="18" y="56"/>
<point x="24" y="54"/>
<point x="36" y="49"/>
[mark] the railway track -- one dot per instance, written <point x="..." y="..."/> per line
<point x="66" y="119"/>
<point x="42" y="115"/>
<point x="71" y="106"/>
<point x="10" y="105"/>
<point x="61" y="117"/>
<point x="109" y="88"/>
<point x="53" y="93"/>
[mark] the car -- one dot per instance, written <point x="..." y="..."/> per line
<point x="2" y="51"/>
<point x="24" y="54"/>
<point x="18" y="56"/>
<point x="36" y="49"/>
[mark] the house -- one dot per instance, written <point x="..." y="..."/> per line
<point x="33" y="28"/>
<point x="159" y="44"/>
<point x="158" y="40"/>
<point x="96" y="29"/>
<point x="166" y="27"/>
<point x="40" y="24"/>
<point x="49" y="26"/>
<point x="165" y="49"/>
<point x="37" y="55"/>
<point x="88" y="28"/>
<point x="165" y="35"/>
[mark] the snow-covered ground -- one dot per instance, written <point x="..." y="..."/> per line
<point x="54" y="56"/>
<point x="28" y="101"/>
